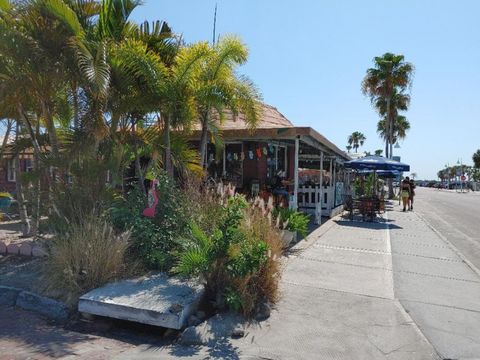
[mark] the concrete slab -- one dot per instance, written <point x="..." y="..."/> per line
<point x="455" y="332"/>
<point x="434" y="267"/>
<point x="371" y="259"/>
<point x="157" y="300"/>
<point x="340" y="277"/>
<point x="440" y="291"/>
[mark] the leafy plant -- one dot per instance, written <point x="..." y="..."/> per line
<point x="296" y="221"/>
<point x="237" y="260"/>
<point x="153" y="239"/>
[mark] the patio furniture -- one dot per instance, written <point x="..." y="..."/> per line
<point x="367" y="207"/>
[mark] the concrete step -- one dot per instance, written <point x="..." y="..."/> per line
<point x="156" y="299"/>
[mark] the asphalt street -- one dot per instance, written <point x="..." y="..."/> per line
<point x="456" y="216"/>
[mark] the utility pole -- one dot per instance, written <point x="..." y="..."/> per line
<point x="214" y="24"/>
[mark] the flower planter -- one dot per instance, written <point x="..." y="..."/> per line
<point x="288" y="237"/>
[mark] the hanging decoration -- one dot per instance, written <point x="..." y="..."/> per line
<point x="265" y="151"/>
<point x="229" y="156"/>
<point x="235" y="156"/>
<point x="242" y="156"/>
<point x="250" y="154"/>
<point x="259" y="153"/>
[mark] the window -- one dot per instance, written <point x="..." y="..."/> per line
<point x="28" y="165"/>
<point x="11" y="175"/>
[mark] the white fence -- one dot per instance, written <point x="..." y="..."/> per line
<point x="310" y="196"/>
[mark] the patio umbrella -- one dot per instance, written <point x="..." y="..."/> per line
<point x="390" y="174"/>
<point x="376" y="163"/>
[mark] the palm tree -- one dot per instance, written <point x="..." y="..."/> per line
<point x="413" y="175"/>
<point x="356" y="139"/>
<point x="476" y="159"/>
<point x="348" y="147"/>
<point x="218" y="88"/>
<point x="386" y="84"/>
<point x="400" y="128"/>
<point x="378" y="152"/>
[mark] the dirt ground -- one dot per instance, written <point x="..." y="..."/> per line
<point x="22" y="272"/>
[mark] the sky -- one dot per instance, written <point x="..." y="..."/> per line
<point x="308" y="57"/>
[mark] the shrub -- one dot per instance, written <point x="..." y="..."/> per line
<point x="88" y="255"/>
<point x="153" y="239"/>
<point x="238" y="260"/>
<point x="295" y="220"/>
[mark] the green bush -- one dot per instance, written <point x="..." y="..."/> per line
<point x="238" y="260"/>
<point x="297" y="221"/>
<point x="153" y="239"/>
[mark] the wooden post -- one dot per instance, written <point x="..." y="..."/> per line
<point x="321" y="177"/>
<point x="224" y="161"/>
<point x="295" y="176"/>
<point x="334" y="183"/>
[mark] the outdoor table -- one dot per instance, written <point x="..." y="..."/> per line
<point x="367" y="207"/>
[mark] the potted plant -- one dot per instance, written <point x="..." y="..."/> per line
<point x="291" y="223"/>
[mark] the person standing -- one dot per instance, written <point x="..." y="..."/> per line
<point x="412" y="194"/>
<point x="405" y="192"/>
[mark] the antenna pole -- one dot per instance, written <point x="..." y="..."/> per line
<point x="214" y="23"/>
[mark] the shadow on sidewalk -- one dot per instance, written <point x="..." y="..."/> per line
<point x="378" y="224"/>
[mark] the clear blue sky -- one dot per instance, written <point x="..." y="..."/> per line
<point x="309" y="58"/>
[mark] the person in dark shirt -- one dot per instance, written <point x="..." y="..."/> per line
<point x="412" y="194"/>
<point x="405" y="192"/>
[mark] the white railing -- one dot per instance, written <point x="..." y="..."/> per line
<point x="309" y="196"/>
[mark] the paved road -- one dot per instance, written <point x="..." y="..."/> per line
<point x="456" y="216"/>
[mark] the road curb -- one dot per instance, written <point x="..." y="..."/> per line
<point x="407" y="316"/>
<point x="50" y="308"/>
<point x="453" y="247"/>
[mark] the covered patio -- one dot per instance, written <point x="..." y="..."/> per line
<point x="309" y="165"/>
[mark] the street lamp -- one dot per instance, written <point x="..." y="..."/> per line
<point x="459" y="162"/>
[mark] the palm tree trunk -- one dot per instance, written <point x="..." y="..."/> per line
<point x="52" y="132"/>
<point x="203" y="141"/>
<point x="168" y="150"/>
<point x="76" y="117"/>
<point x="389" y="145"/>
<point x="138" y="168"/>
<point x="37" y="188"/>
<point x="22" y="207"/>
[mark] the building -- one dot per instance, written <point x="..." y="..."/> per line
<point x="252" y="159"/>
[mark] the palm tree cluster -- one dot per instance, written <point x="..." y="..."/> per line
<point x="92" y="92"/>
<point x="386" y="85"/>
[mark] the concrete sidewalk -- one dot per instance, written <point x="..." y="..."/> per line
<point x="337" y="303"/>
<point x="435" y="285"/>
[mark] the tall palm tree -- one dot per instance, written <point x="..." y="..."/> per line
<point x="356" y="139"/>
<point x="385" y="84"/>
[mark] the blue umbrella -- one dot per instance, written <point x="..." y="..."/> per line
<point x="375" y="163"/>
<point x="383" y="173"/>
